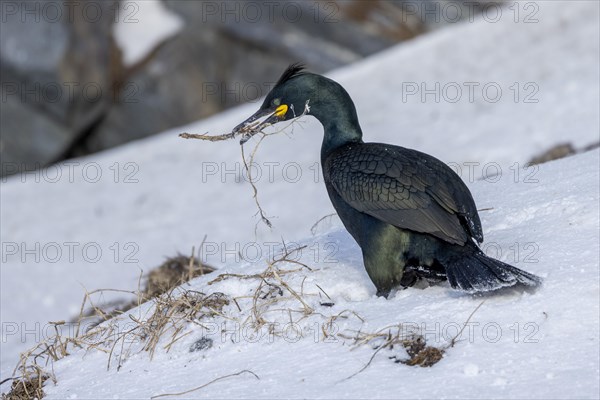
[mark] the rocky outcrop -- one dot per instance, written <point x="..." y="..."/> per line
<point x="57" y="65"/>
<point x="66" y="92"/>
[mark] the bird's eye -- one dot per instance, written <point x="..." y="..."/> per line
<point x="276" y="102"/>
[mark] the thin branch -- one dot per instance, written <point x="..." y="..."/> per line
<point x="206" y="384"/>
<point x="453" y="341"/>
<point x="313" y="229"/>
<point x="366" y="365"/>
<point x="247" y="164"/>
<point x="210" y="138"/>
<point x="248" y="132"/>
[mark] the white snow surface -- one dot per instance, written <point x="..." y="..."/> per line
<point x="141" y="25"/>
<point x="162" y="195"/>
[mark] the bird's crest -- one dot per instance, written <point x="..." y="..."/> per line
<point x="292" y="71"/>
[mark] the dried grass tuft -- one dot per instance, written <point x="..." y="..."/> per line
<point x="419" y="354"/>
<point x="247" y="132"/>
<point x="96" y="327"/>
<point x="173" y="272"/>
<point x="277" y="293"/>
<point x="273" y="294"/>
<point x="172" y="313"/>
<point x="26" y="388"/>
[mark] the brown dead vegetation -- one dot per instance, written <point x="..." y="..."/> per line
<point x="175" y="271"/>
<point x="26" y="388"/>
<point x="277" y="293"/>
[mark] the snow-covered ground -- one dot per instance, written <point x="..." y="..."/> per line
<point x="517" y="345"/>
<point x="96" y="222"/>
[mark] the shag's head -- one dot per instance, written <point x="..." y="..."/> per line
<point x="282" y="102"/>
<point x="295" y="89"/>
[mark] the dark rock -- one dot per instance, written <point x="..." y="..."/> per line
<point x="322" y="34"/>
<point x="71" y="95"/>
<point x="30" y="139"/>
<point x="201" y="344"/>
<point x="191" y="76"/>
<point x="56" y="67"/>
<point x="205" y="68"/>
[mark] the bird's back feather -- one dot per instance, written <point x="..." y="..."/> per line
<point x="405" y="188"/>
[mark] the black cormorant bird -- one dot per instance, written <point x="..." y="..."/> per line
<point x="412" y="216"/>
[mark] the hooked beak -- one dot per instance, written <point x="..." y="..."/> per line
<point x="260" y="120"/>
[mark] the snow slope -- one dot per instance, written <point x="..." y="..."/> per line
<point x="162" y="195"/>
<point x="541" y="344"/>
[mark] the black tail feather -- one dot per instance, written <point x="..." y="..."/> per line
<point x="480" y="273"/>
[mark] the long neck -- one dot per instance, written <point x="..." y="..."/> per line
<point x="334" y="108"/>
<point x="340" y="131"/>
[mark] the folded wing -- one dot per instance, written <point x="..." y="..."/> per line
<point x="405" y="188"/>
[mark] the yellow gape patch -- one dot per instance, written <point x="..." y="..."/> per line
<point x="281" y="110"/>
